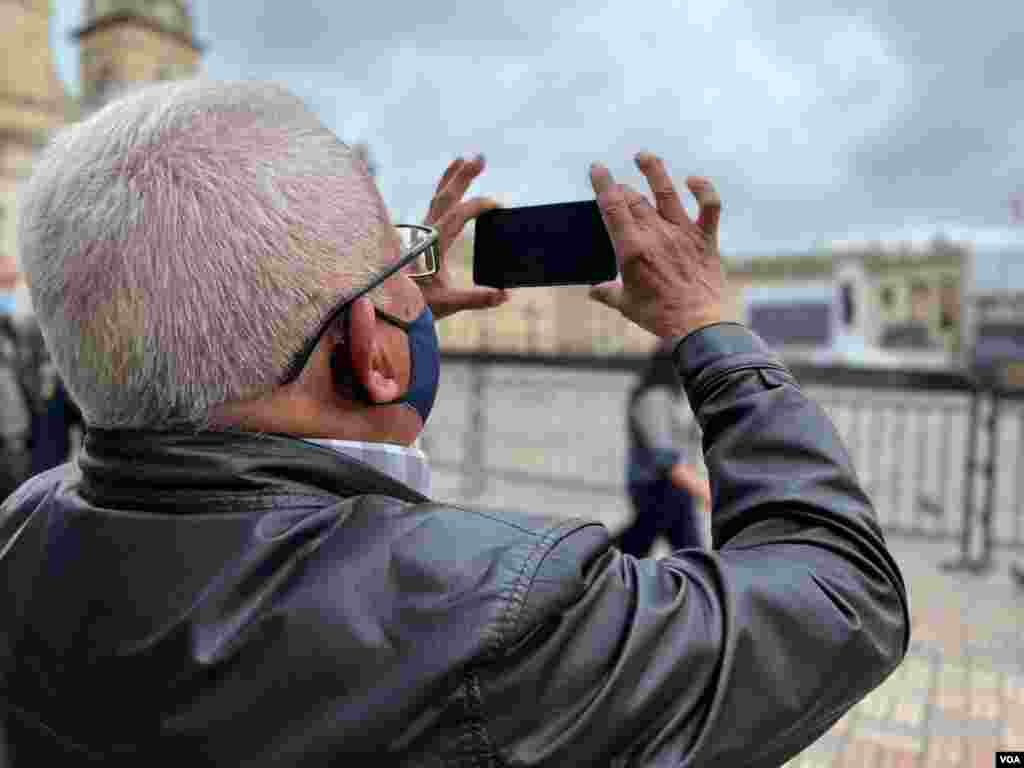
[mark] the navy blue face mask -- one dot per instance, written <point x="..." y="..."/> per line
<point x="424" y="358"/>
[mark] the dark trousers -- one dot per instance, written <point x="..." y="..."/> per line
<point x="661" y="508"/>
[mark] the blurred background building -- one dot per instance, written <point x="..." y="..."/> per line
<point x="886" y="304"/>
<point x="121" y="43"/>
<point x="995" y="314"/>
<point x="874" y="304"/>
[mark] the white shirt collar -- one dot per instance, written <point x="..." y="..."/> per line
<point x="406" y="464"/>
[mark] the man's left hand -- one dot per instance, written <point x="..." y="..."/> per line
<point x="449" y="213"/>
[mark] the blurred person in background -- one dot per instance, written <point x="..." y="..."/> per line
<point x="11" y="409"/>
<point x="668" y="494"/>
<point x="15" y="402"/>
<point x="244" y="561"/>
<point x="39" y="420"/>
<point x="56" y="424"/>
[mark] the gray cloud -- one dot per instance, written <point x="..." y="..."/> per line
<point x="953" y="153"/>
<point x="817" y="120"/>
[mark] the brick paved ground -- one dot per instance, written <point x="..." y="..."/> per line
<point x="959" y="694"/>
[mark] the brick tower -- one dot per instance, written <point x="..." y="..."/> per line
<point x="33" y="103"/>
<point x="125" y="43"/>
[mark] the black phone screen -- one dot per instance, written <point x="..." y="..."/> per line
<point x="560" y="244"/>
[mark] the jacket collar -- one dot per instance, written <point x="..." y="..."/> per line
<point x="161" y="469"/>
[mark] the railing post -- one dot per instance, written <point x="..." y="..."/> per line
<point x="532" y="337"/>
<point x="991" y="478"/>
<point x="1018" y="480"/>
<point x="970" y="464"/>
<point x="474" y="464"/>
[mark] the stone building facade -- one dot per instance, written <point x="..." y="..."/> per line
<point x="124" y="43"/>
<point x="904" y="299"/>
<point x="121" y="43"/>
<point x="899" y="297"/>
<point x="33" y="103"/>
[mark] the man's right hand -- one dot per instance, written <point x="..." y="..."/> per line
<point x="670" y="270"/>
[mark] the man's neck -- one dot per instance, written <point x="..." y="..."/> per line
<point x="341" y="420"/>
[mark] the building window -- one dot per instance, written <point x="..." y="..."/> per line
<point x="949" y="304"/>
<point x="103" y="86"/>
<point x="849" y="307"/>
<point x="168" y="13"/>
<point x="795" y="323"/>
<point x="920" y="301"/>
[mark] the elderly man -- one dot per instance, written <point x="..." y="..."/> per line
<point x="242" y="566"/>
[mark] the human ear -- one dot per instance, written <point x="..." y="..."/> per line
<point x="367" y="360"/>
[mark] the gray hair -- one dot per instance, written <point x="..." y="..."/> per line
<point x="182" y="243"/>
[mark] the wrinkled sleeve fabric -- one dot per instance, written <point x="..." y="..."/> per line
<point x="739" y="656"/>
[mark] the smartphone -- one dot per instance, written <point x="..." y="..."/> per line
<point x="536" y="245"/>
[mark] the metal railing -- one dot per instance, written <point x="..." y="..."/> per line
<point x="547" y="433"/>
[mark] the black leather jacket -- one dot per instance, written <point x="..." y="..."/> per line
<point x="241" y="599"/>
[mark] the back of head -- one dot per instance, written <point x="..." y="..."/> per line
<point x="183" y="242"/>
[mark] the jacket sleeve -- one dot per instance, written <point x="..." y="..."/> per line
<point x="742" y="655"/>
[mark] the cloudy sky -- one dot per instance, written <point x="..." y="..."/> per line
<point x="818" y="120"/>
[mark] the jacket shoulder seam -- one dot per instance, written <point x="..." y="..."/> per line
<point x="518" y="591"/>
<point x="497" y="519"/>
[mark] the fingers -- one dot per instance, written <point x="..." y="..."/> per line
<point x="456" y="220"/>
<point x="456" y="187"/>
<point x="639" y="206"/>
<point x="478" y="298"/>
<point x="453" y="185"/>
<point x="450" y="171"/>
<point x="600" y="178"/>
<point x="710" y="204"/>
<point x="611" y="200"/>
<point x="609" y="293"/>
<point x="454" y="167"/>
<point x="458" y="299"/>
<point x="664" y="191"/>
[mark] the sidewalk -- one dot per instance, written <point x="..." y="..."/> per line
<point x="959" y="694"/>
